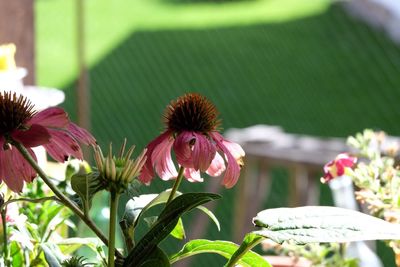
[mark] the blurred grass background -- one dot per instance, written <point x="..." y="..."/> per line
<point x="304" y="65"/>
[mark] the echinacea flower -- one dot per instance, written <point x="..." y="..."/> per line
<point x="192" y="133"/>
<point x="338" y="166"/>
<point x="49" y="128"/>
<point x="119" y="171"/>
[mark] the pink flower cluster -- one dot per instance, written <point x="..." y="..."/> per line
<point x="337" y="167"/>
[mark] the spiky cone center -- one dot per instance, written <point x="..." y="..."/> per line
<point x="14" y="112"/>
<point x="191" y="112"/>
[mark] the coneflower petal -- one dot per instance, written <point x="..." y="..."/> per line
<point x="203" y="152"/>
<point x="162" y="160"/>
<point x="147" y="173"/>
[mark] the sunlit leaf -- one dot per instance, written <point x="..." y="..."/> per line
<point x="223" y="248"/>
<point x="249" y="241"/>
<point x="50" y="256"/>
<point x="179" y="230"/>
<point x="315" y="224"/>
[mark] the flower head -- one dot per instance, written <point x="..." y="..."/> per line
<point x="119" y="171"/>
<point x="50" y="128"/>
<point x="192" y="132"/>
<point x="338" y="167"/>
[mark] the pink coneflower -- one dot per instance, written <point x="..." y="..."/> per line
<point x="338" y="166"/>
<point x="192" y="132"/>
<point x="50" y="128"/>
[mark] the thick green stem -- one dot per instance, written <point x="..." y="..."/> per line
<point x="113" y="221"/>
<point x="64" y="199"/>
<point x="5" y="243"/>
<point x="242" y="250"/>
<point x="176" y="184"/>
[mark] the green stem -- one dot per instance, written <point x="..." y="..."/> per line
<point x="5" y="243"/>
<point x="64" y="199"/>
<point x="128" y="233"/>
<point x="113" y="221"/>
<point x="34" y="200"/>
<point x="241" y="252"/>
<point x="176" y="185"/>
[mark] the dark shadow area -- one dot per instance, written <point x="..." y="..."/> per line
<point x="328" y="75"/>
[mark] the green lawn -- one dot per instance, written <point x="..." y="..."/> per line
<point x="304" y="65"/>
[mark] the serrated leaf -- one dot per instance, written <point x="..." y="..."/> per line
<point x="249" y="241"/>
<point x="317" y="224"/>
<point x="167" y="221"/>
<point x="86" y="186"/>
<point x="223" y="248"/>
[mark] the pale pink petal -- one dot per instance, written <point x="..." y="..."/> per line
<point x="232" y="172"/>
<point x="51" y="117"/>
<point x="81" y="134"/>
<point x="182" y="149"/>
<point x="147" y="173"/>
<point x="235" y="149"/>
<point x="217" y="166"/>
<point x="36" y="135"/>
<point x="62" y="145"/>
<point x="203" y="152"/>
<point x="162" y="161"/>
<point x="192" y="175"/>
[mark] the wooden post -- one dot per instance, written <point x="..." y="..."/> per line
<point x="17" y="26"/>
<point x="82" y="93"/>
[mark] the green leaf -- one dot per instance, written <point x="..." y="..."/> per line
<point x="86" y="186"/>
<point x="223" y="248"/>
<point x="70" y="245"/>
<point x="50" y="257"/>
<point x="317" y="224"/>
<point x="179" y="230"/>
<point x="157" y="258"/>
<point x="211" y="215"/>
<point x="16" y="254"/>
<point x="166" y="222"/>
<point x="137" y="206"/>
<point x="249" y="241"/>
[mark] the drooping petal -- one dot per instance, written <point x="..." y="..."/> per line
<point x="217" y="166"/>
<point x="233" y="169"/>
<point x="182" y="149"/>
<point x="192" y="175"/>
<point x="235" y="149"/>
<point x="203" y="152"/>
<point x="81" y="134"/>
<point x="9" y="174"/>
<point x="36" y="135"/>
<point x="147" y="173"/>
<point x="62" y="145"/>
<point x="162" y="161"/>
<point x="50" y="117"/>
<point x="24" y="168"/>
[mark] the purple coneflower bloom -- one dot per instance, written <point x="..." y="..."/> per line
<point x="192" y="132"/>
<point x="49" y="128"/>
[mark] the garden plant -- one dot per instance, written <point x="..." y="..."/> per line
<point x="38" y="226"/>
